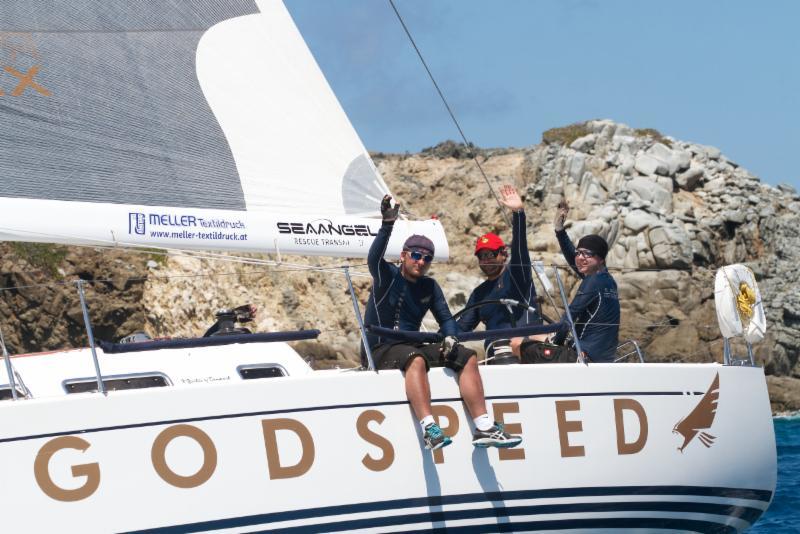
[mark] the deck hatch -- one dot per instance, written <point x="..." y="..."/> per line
<point x="255" y="371"/>
<point x="118" y="382"/>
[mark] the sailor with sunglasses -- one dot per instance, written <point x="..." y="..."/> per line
<point x="504" y="280"/>
<point x="595" y="308"/>
<point x="399" y="299"/>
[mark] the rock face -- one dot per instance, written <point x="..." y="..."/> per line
<point x="39" y="304"/>
<point x="672" y="211"/>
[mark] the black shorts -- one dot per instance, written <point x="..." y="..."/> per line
<point x="398" y="355"/>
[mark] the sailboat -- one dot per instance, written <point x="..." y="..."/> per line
<point x="209" y="126"/>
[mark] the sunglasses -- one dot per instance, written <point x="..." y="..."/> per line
<point x="585" y="253"/>
<point x="489" y="254"/>
<point x="416" y="256"/>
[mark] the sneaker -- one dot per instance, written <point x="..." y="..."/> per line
<point x="495" y="437"/>
<point x="435" y="438"/>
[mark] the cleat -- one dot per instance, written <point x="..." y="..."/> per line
<point x="434" y="437"/>
<point x="495" y="437"/>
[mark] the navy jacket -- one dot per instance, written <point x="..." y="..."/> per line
<point x="595" y="309"/>
<point x="516" y="283"/>
<point x="396" y="303"/>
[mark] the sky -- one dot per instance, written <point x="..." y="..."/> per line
<point x="720" y="73"/>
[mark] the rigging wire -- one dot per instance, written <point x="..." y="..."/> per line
<point x="449" y="111"/>
<point x="176" y="277"/>
<point x="503" y="211"/>
<point x="666" y="323"/>
<point x="276" y="267"/>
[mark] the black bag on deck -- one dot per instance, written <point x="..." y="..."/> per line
<point x="538" y="352"/>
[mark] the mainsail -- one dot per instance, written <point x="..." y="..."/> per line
<point x="196" y="125"/>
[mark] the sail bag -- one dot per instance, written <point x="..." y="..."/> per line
<point x="738" y="303"/>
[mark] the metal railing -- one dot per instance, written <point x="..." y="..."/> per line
<point x="568" y="317"/>
<point x="14" y="378"/>
<point x="363" y="330"/>
<point x="636" y="350"/>
<point x="101" y="387"/>
<point x="9" y="369"/>
<point x="728" y="358"/>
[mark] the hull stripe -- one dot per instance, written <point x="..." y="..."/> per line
<point x="684" y="525"/>
<point x="336" y="407"/>
<point x="726" y="511"/>
<point x="509" y="512"/>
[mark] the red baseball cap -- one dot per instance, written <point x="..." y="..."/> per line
<point x="489" y="241"/>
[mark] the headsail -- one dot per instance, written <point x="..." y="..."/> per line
<point x="198" y="125"/>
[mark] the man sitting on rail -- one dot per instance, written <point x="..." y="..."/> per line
<point x="504" y="280"/>
<point x="595" y="308"/>
<point x="399" y="299"/>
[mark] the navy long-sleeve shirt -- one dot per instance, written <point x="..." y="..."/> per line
<point x="516" y="283"/>
<point x="595" y="309"/>
<point x="396" y="303"/>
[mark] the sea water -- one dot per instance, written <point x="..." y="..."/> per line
<point x="783" y="515"/>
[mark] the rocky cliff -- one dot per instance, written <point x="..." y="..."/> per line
<point x="39" y="303"/>
<point x="673" y="212"/>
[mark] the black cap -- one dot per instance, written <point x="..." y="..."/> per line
<point x="419" y="242"/>
<point x="595" y="243"/>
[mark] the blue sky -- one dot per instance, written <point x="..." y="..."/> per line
<point x="722" y="73"/>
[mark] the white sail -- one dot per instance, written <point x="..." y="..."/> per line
<point x="198" y="125"/>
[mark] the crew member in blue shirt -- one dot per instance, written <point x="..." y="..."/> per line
<point x="399" y="299"/>
<point x="595" y="308"/>
<point x="504" y="280"/>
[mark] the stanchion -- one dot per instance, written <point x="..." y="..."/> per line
<point x="357" y="311"/>
<point x="568" y="315"/>
<point x="101" y="387"/>
<point x="11" y="382"/>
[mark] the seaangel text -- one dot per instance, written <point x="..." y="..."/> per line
<point x="326" y="228"/>
<point x="568" y="426"/>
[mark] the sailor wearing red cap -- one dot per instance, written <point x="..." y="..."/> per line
<point x="504" y="279"/>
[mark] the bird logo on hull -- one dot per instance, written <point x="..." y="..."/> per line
<point x="700" y="419"/>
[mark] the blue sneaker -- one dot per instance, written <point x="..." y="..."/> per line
<point x="435" y="438"/>
<point x="495" y="437"/>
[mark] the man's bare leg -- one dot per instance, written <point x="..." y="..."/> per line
<point x="471" y="387"/>
<point x="487" y="433"/>
<point x="418" y="389"/>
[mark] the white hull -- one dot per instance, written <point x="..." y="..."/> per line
<point x="354" y="459"/>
